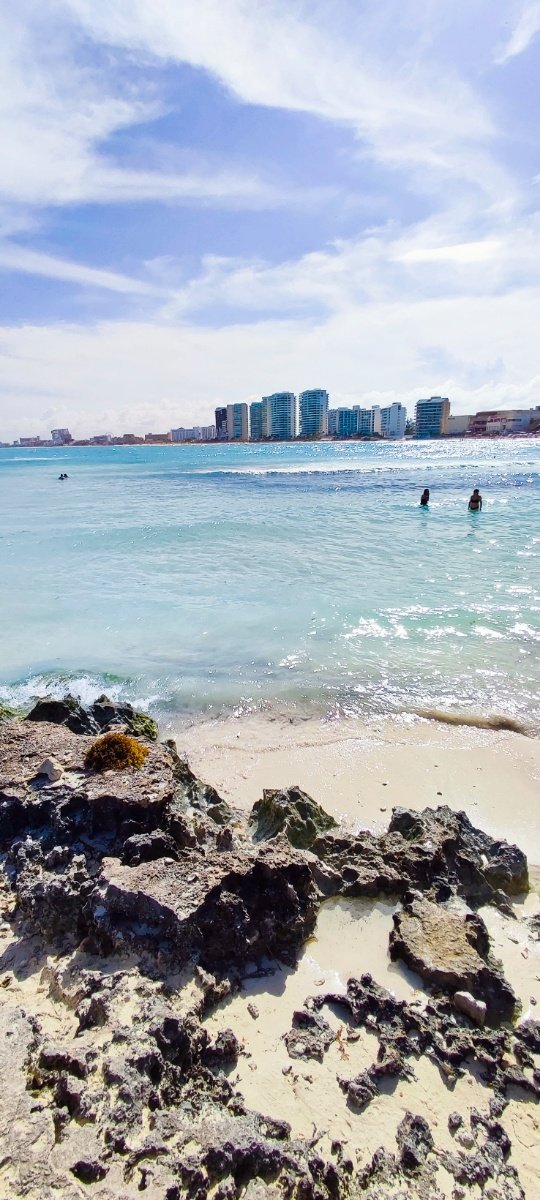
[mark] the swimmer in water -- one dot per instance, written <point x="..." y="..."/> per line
<point x="475" y="502"/>
<point x="424" y="498"/>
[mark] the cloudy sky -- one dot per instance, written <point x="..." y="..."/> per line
<point x="207" y="200"/>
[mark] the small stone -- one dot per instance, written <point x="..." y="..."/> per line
<point x="286" y="1070"/>
<point x="466" y="1003"/>
<point x="52" y="769"/>
<point x="253" y="1011"/>
<point x="532" y="1000"/>
<point x="466" y="1140"/>
<point x="455" y="1121"/>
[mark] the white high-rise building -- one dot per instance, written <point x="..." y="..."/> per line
<point x="368" y="420"/>
<point x="393" y="420"/>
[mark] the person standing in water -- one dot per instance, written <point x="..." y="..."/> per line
<point x="424" y="498"/>
<point x="475" y="502"/>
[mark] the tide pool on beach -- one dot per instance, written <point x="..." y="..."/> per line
<point x="204" y="580"/>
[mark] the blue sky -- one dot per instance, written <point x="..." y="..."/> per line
<point x="207" y="200"/>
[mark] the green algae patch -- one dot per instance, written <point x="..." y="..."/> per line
<point x="7" y="713"/>
<point x="115" y="752"/>
<point x="144" y="726"/>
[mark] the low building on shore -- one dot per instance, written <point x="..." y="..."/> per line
<point x="458" y="425"/>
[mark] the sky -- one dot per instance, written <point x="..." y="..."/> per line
<point x="204" y="201"/>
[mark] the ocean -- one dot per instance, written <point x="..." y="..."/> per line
<point x="205" y="580"/>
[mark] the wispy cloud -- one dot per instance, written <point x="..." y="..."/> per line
<point x="58" y="114"/>
<point x="284" y="55"/>
<point x="31" y="262"/>
<point x="525" y="31"/>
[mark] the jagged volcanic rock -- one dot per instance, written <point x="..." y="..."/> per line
<point x="436" y="850"/>
<point x="220" y="907"/>
<point x="292" y="812"/>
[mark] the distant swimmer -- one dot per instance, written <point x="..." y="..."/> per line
<point x="63" y="476"/>
<point x="424" y="498"/>
<point x="475" y="502"/>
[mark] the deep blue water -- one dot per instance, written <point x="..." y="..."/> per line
<point x="209" y="577"/>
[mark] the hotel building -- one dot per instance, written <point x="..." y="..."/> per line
<point x="279" y="416"/>
<point x="432" y="416"/>
<point x="237" y="422"/>
<point x="314" y="413"/>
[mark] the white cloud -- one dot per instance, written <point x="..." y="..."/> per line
<point x="30" y="262"/>
<point x="350" y="64"/>
<point x="526" y="30"/>
<point x="141" y="376"/>
<point x="57" y="116"/>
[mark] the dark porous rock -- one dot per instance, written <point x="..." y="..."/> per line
<point x="500" y="864"/>
<point x="291" y="812"/>
<point x="223" y="1050"/>
<point x="405" y="1032"/>
<point x="55" y="901"/>
<point x="196" y="795"/>
<point x="89" y="1170"/>
<point x="451" y="951"/>
<point x="365" y="1086"/>
<point x="68" y="712"/>
<point x="415" y="1140"/>
<point x="147" y="847"/>
<point x="437" y="849"/>
<point x="309" y="1037"/>
<point x="74" y="1060"/>
<point x="220" y="909"/>
<point x="109" y="715"/>
<point x="528" y="1036"/>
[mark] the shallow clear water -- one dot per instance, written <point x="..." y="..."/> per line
<point x="203" y="578"/>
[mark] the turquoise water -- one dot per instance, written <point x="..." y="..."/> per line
<point x="200" y="579"/>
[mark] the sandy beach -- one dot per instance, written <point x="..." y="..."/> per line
<point x="359" y="771"/>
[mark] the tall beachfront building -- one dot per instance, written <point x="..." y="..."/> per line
<point x="314" y="413"/>
<point x="346" y="422"/>
<point x="432" y="416"/>
<point x="237" y="422"/>
<point x="279" y="415"/>
<point x="393" y="420"/>
<point x="221" y="424"/>
<point x="257" y="421"/>
<point x="368" y="420"/>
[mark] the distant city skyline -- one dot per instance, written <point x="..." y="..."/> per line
<point x="201" y="201"/>
<point x="279" y="418"/>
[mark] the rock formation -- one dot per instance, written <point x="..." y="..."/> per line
<point x="132" y="904"/>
